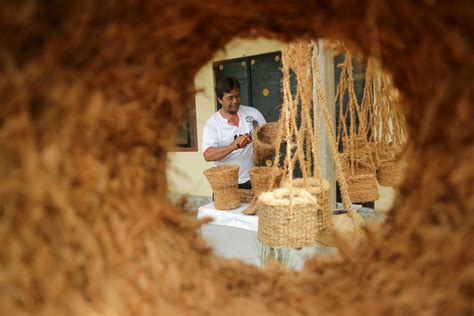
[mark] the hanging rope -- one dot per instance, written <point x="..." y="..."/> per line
<point x="323" y="105"/>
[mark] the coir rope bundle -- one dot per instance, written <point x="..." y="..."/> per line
<point x="224" y="183"/>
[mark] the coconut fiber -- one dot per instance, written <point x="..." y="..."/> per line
<point x="92" y="90"/>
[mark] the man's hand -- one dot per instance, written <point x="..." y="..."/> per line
<point x="243" y="140"/>
<point x="217" y="153"/>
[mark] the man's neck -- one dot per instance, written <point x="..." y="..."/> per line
<point x="226" y="114"/>
<point x="232" y="118"/>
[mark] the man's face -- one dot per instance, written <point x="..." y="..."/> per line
<point x="230" y="102"/>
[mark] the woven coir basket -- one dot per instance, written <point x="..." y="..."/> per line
<point x="264" y="138"/>
<point x="320" y="190"/>
<point x="261" y="179"/>
<point x="358" y="167"/>
<point x="359" y="142"/>
<point x="347" y="224"/>
<point x="363" y="188"/>
<point x="246" y="196"/>
<point x="224" y="183"/>
<point x="389" y="173"/>
<point x="280" y="225"/>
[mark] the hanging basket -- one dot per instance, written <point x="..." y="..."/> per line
<point x="385" y="152"/>
<point x="389" y="173"/>
<point x="362" y="188"/>
<point x="264" y="138"/>
<point x="261" y="178"/>
<point x="245" y="195"/>
<point x="374" y="156"/>
<point x="282" y="226"/>
<point x="347" y="225"/>
<point x="320" y="190"/>
<point x="358" y="167"/>
<point x="359" y="142"/>
<point x="358" y="147"/>
<point x="224" y="183"/>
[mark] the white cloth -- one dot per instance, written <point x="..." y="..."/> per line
<point x="219" y="133"/>
<point x="235" y="217"/>
<point x="232" y="218"/>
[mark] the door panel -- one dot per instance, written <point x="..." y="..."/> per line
<point x="266" y="78"/>
<point x="238" y="69"/>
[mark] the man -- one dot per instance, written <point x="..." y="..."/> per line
<point x="227" y="135"/>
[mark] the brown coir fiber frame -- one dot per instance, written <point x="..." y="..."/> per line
<point x="91" y="91"/>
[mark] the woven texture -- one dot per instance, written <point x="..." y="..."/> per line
<point x="261" y="179"/>
<point x="363" y="188"/>
<point x="356" y="142"/>
<point x="320" y="190"/>
<point x="224" y="183"/>
<point x="355" y="166"/>
<point x="264" y="138"/>
<point x="280" y="226"/>
<point x="245" y="195"/>
<point x="348" y="227"/>
<point x="389" y="173"/>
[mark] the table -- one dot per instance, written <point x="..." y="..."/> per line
<point x="232" y="234"/>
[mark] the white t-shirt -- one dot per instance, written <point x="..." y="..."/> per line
<point x="219" y="133"/>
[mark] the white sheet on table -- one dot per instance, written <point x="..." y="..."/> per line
<point x="233" y="218"/>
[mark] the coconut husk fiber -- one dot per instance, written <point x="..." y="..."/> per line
<point x="91" y="92"/>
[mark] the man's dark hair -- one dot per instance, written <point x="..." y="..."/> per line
<point x="226" y="85"/>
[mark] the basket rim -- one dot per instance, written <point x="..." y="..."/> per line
<point x="219" y="168"/>
<point x="267" y="170"/>
<point x="312" y="182"/>
<point x="257" y="131"/>
<point x="362" y="176"/>
<point x="277" y="197"/>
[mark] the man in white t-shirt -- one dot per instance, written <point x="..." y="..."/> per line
<point x="227" y="135"/>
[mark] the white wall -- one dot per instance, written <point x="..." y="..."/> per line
<point x="185" y="169"/>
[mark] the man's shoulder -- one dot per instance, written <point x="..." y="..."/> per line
<point x="212" y="120"/>
<point x="249" y="109"/>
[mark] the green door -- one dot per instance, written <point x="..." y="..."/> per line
<point x="238" y="69"/>
<point x="260" y="81"/>
<point x="266" y="78"/>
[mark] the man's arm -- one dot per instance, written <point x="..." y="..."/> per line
<point x="217" y="153"/>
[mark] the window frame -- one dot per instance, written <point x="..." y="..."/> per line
<point x="191" y="118"/>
